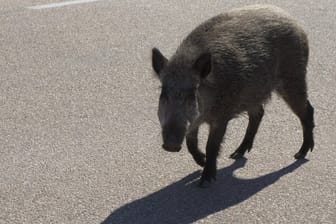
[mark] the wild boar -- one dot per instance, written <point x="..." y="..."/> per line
<point x="228" y="65"/>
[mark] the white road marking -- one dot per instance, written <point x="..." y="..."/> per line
<point x="61" y="4"/>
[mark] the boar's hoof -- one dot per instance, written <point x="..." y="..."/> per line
<point x="300" y="155"/>
<point x="237" y="155"/>
<point x="204" y="184"/>
<point x="208" y="175"/>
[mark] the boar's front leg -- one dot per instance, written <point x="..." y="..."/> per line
<point x="192" y="144"/>
<point x="255" y="116"/>
<point x="216" y="134"/>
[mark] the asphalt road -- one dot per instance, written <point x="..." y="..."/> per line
<point x="80" y="140"/>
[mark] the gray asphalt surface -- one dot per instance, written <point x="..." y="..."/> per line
<point x="80" y="140"/>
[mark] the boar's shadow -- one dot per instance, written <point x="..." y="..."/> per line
<point x="182" y="202"/>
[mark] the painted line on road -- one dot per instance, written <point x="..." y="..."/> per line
<point x="61" y="4"/>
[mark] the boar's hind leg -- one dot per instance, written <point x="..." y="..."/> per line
<point x="295" y="95"/>
<point x="192" y="144"/>
<point x="308" y="125"/>
<point x="255" y="117"/>
<point x="216" y="134"/>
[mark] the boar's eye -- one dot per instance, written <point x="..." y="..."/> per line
<point x="179" y="94"/>
<point x="191" y="96"/>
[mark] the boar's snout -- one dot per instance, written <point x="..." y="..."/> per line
<point x="173" y="136"/>
<point x="171" y="147"/>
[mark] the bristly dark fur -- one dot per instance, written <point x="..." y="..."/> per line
<point x="234" y="61"/>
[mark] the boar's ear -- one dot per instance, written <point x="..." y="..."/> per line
<point x="203" y="65"/>
<point x="158" y="60"/>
